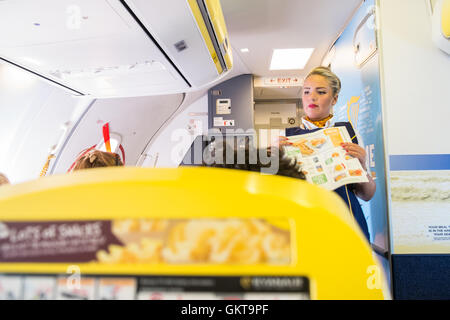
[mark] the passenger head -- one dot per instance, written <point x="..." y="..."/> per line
<point x="320" y="92"/>
<point x="96" y="159"/>
<point x="268" y="161"/>
<point x="3" y="179"/>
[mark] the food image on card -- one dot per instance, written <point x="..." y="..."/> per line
<point x="336" y="135"/>
<point x="348" y="157"/>
<point x="309" y="147"/>
<point x="335" y="155"/>
<point x="339" y="177"/>
<point x="318" y="143"/>
<point x="323" y="161"/>
<point x="320" y="179"/>
<point x="304" y="148"/>
<point x="339" y="167"/>
<point x="355" y="173"/>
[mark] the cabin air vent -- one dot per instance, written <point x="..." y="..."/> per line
<point x="180" y="45"/>
<point x="135" y="68"/>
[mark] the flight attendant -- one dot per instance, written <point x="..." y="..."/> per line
<point x="320" y="93"/>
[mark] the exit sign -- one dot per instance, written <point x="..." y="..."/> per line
<point x="283" y="81"/>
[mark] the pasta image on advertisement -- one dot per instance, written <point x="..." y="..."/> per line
<point x="212" y="241"/>
<point x="148" y="241"/>
<point x="324" y="162"/>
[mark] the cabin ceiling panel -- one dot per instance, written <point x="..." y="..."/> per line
<point x="264" y="25"/>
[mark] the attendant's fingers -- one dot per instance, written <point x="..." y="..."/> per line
<point x="355" y="151"/>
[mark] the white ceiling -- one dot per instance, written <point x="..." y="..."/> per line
<point x="268" y="93"/>
<point x="263" y="25"/>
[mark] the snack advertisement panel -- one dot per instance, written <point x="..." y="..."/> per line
<point x="322" y="159"/>
<point x="148" y="241"/>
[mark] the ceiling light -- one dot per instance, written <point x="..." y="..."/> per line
<point x="289" y="59"/>
<point x="15" y="78"/>
<point x="31" y="60"/>
<point x="244" y="50"/>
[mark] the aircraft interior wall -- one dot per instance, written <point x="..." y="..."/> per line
<point x="416" y="79"/>
<point x="167" y="147"/>
<point x="45" y="118"/>
<point x="36" y="117"/>
<point x="171" y="144"/>
<point x="132" y="120"/>
<point x="39" y="118"/>
<point x="415" y="85"/>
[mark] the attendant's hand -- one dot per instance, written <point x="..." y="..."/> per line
<point x="283" y="141"/>
<point x="356" y="151"/>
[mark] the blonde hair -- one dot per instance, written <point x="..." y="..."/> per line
<point x="3" y="179"/>
<point x="332" y="78"/>
<point x="97" y="158"/>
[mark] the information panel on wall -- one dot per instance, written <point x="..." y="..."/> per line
<point x="355" y="61"/>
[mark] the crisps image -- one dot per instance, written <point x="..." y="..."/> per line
<point x="217" y="241"/>
<point x="139" y="225"/>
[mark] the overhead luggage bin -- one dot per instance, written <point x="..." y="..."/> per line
<point x="264" y="236"/>
<point x="440" y="25"/>
<point x="112" y="48"/>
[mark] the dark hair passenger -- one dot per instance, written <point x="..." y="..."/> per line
<point x="230" y="153"/>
